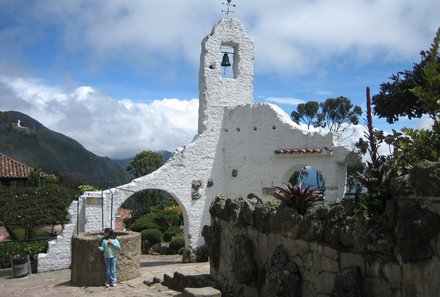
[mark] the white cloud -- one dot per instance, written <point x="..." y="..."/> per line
<point x="291" y="36"/>
<point x="104" y="125"/>
<point x="286" y="101"/>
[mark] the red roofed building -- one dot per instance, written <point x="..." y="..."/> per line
<point x="13" y="173"/>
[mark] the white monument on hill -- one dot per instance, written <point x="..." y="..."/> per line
<point x="240" y="148"/>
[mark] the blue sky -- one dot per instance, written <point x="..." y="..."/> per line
<point x="122" y="76"/>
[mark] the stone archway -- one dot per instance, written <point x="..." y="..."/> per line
<point x="153" y="201"/>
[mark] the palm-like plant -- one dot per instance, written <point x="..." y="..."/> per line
<point x="299" y="197"/>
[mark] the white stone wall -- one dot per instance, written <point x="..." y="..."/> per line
<point x="59" y="250"/>
<point x="233" y="133"/>
<point x="216" y="92"/>
<point x="250" y="136"/>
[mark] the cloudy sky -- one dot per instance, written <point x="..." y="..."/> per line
<point x="122" y="76"/>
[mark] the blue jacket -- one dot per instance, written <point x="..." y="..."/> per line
<point x="109" y="249"/>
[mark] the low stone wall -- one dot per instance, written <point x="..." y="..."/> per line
<point x="88" y="267"/>
<point x="333" y="250"/>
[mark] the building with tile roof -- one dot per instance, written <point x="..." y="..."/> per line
<point x="13" y="173"/>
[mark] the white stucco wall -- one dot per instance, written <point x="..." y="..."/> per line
<point x="233" y="133"/>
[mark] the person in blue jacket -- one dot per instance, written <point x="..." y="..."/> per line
<point x="108" y="247"/>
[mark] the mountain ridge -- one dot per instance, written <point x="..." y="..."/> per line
<point x="27" y="140"/>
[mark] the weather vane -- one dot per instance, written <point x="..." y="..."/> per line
<point x="228" y="10"/>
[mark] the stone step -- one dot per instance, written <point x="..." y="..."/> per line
<point x="201" y="292"/>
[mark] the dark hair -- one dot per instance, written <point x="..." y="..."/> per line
<point x="111" y="233"/>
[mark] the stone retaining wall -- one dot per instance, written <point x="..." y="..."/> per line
<point x="333" y="250"/>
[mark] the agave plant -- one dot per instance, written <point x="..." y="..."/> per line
<point x="299" y="197"/>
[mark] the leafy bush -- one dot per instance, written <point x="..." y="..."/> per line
<point x="30" y="207"/>
<point x="12" y="248"/>
<point x="177" y="242"/>
<point x="170" y="233"/>
<point x="175" y="208"/>
<point x="299" y="197"/>
<point x="152" y="235"/>
<point x="163" y="220"/>
<point x="167" y="219"/>
<point x="147" y="221"/>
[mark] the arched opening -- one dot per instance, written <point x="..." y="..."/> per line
<point x="308" y="176"/>
<point x="158" y="216"/>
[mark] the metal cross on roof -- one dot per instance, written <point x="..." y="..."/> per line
<point x="228" y="10"/>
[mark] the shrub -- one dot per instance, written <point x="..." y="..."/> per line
<point x="170" y="233"/>
<point x="167" y="219"/>
<point x="153" y="236"/>
<point x="177" y="242"/>
<point x="175" y="208"/>
<point x="299" y="197"/>
<point x="147" y="221"/>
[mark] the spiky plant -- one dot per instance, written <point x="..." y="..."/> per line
<point x="299" y="197"/>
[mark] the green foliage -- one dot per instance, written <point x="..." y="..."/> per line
<point x="153" y="236"/>
<point x="86" y="188"/>
<point x="33" y="207"/>
<point x="306" y="113"/>
<point x="162" y="220"/>
<point x="51" y="179"/>
<point x="272" y="204"/>
<point x="144" y="163"/>
<point x="177" y="242"/>
<point x="335" y="112"/>
<point x="412" y="93"/>
<point x="170" y="233"/>
<point x="412" y="146"/>
<point x="429" y="91"/>
<point x="12" y="248"/>
<point x="145" y="202"/>
<point x="298" y="197"/>
<point x="167" y="219"/>
<point x="35" y="177"/>
<point x="145" y="222"/>
<point x="380" y="170"/>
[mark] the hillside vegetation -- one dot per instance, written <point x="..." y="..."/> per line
<point x="55" y="153"/>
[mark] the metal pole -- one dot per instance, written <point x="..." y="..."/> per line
<point x="77" y="216"/>
<point x="111" y="212"/>
<point x="102" y="209"/>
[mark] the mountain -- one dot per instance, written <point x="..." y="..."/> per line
<point x="123" y="163"/>
<point x="26" y="140"/>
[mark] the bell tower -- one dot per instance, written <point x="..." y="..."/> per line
<point x="215" y="91"/>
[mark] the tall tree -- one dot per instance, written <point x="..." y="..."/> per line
<point x="306" y="113"/>
<point x="144" y="163"/>
<point x="33" y="207"/>
<point x="404" y="94"/>
<point x="338" y="113"/>
<point x="429" y="92"/>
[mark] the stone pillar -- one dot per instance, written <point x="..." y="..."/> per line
<point x="88" y="268"/>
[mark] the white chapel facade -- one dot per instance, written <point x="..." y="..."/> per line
<point x="241" y="148"/>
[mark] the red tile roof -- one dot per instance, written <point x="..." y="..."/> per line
<point x="302" y="151"/>
<point x="10" y="168"/>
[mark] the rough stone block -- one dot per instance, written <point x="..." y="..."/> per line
<point x="325" y="282"/>
<point x="349" y="259"/>
<point x="201" y="292"/>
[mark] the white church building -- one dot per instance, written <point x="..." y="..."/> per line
<point x="241" y="148"/>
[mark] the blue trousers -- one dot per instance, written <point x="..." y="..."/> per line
<point x="110" y="270"/>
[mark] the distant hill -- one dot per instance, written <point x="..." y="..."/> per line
<point x="123" y="163"/>
<point x="35" y="145"/>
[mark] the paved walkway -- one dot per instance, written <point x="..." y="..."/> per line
<point x="57" y="283"/>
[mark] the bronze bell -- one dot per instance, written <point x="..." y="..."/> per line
<point x="225" y="60"/>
